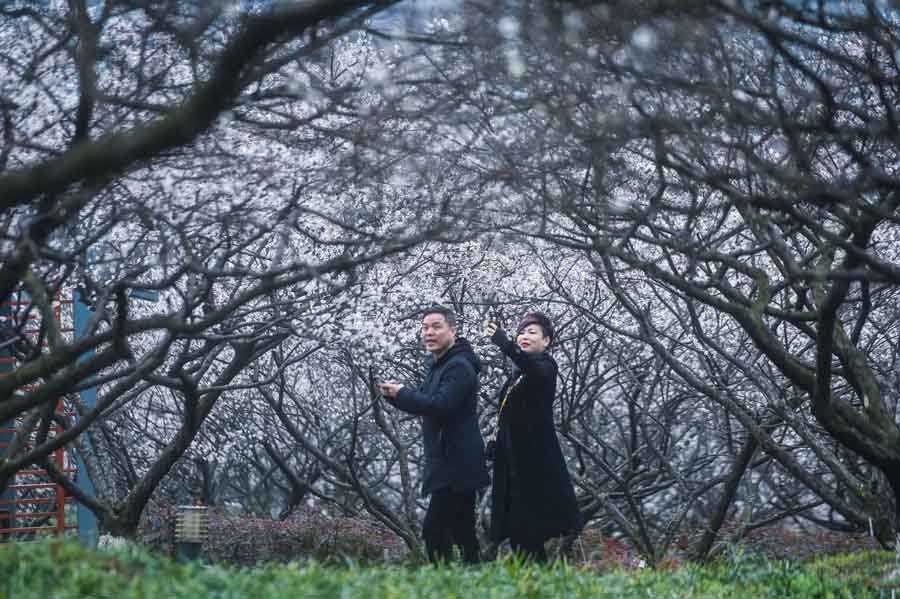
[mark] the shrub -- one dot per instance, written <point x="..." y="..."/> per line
<point x="307" y="534"/>
<point x="65" y="571"/>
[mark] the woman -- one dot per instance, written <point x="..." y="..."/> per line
<point x="532" y="497"/>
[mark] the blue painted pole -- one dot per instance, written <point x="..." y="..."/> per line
<point x="7" y="510"/>
<point x="88" y="533"/>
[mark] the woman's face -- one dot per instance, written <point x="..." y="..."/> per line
<point x="532" y="339"/>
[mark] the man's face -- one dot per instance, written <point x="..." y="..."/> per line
<point x="437" y="335"/>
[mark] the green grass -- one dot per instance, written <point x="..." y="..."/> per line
<point x="56" y="570"/>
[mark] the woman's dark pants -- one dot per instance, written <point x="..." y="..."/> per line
<point x="521" y="539"/>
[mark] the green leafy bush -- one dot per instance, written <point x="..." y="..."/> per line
<point x="61" y="570"/>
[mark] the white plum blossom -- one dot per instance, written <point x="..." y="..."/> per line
<point x="644" y="38"/>
<point x="509" y="27"/>
<point x="515" y="63"/>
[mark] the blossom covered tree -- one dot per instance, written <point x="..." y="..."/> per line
<point x="227" y="160"/>
<point x="730" y="172"/>
<point x="702" y="196"/>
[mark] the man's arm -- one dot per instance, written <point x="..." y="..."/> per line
<point x="456" y="384"/>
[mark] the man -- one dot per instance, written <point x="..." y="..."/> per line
<point x="454" y="450"/>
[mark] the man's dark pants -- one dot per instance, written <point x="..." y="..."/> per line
<point x="450" y="520"/>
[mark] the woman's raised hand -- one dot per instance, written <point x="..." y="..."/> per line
<point x="490" y="328"/>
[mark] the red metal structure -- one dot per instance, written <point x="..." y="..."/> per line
<point x="32" y="504"/>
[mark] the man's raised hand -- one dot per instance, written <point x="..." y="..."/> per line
<point x="389" y="389"/>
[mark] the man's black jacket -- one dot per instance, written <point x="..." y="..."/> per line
<point x="454" y="448"/>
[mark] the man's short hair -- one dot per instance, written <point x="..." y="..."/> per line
<point x="448" y="314"/>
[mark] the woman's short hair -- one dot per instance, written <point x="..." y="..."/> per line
<point x="539" y="319"/>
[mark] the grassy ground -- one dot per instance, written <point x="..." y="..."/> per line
<point x="57" y="570"/>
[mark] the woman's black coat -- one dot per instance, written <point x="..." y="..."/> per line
<point x="532" y="495"/>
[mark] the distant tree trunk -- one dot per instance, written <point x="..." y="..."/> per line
<point x="701" y="550"/>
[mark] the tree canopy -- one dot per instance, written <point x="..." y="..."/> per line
<point x="702" y="195"/>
